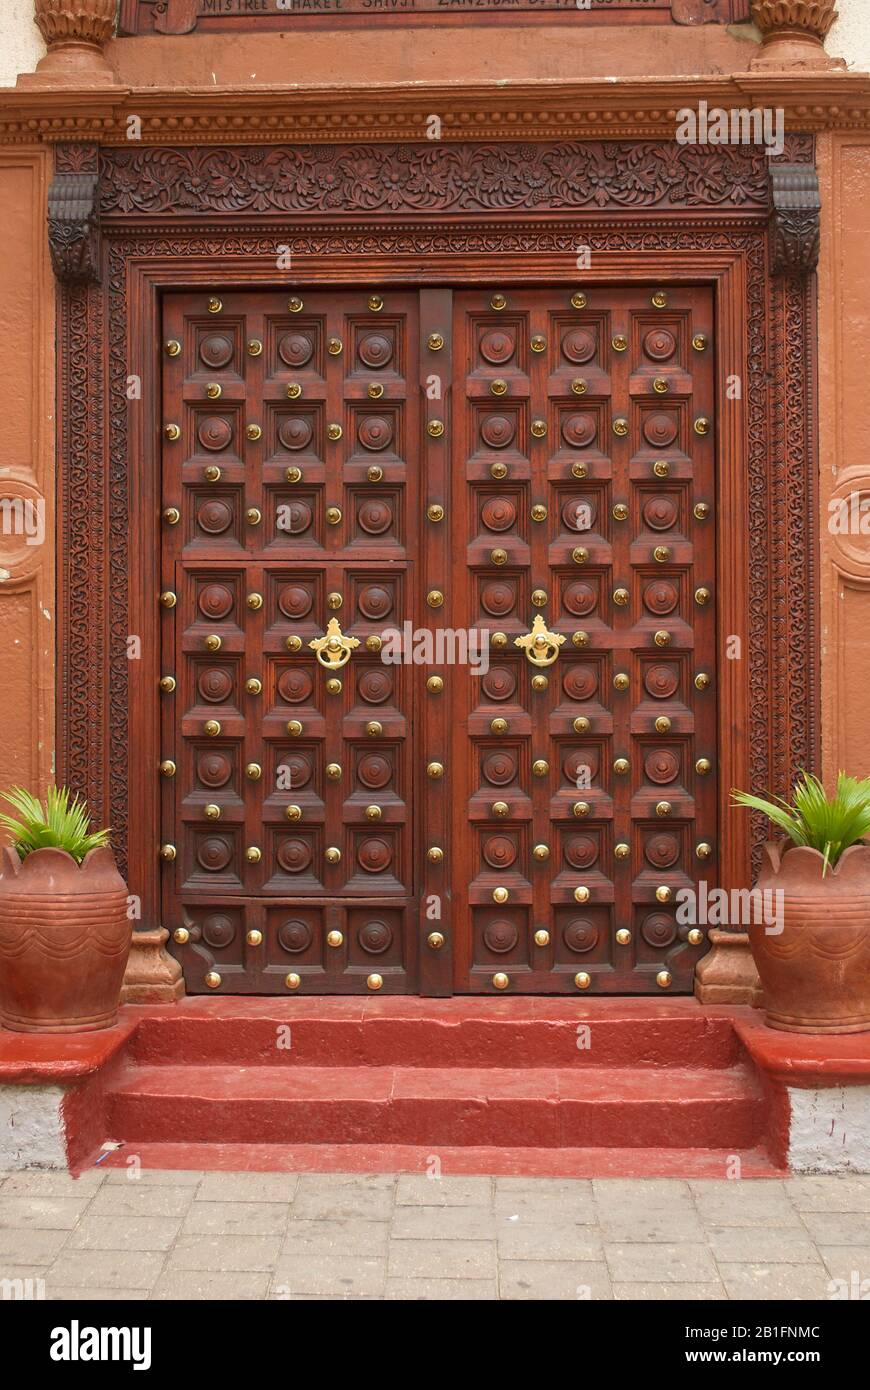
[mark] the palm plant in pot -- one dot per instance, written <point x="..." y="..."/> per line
<point x="814" y="964"/>
<point x="64" y="929"/>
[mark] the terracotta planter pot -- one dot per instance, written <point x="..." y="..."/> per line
<point x="64" y="941"/>
<point x="816" y="972"/>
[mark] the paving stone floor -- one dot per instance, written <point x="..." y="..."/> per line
<point x="191" y="1235"/>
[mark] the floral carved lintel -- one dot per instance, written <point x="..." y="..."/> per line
<point x="443" y="178"/>
<point x="74" y="226"/>
<point x="794" y="219"/>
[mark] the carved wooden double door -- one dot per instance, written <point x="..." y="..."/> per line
<point x="438" y="639"/>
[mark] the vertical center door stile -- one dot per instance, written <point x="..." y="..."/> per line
<point x="436" y="684"/>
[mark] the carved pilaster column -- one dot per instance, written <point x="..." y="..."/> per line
<point x="76" y="32"/>
<point x="793" y="33"/>
<point x="727" y="974"/>
<point x="152" y="975"/>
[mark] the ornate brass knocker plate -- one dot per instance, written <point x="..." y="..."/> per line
<point x="540" y="645"/>
<point x="333" y="649"/>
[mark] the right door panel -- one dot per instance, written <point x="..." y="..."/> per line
<point x="584" y="758"/>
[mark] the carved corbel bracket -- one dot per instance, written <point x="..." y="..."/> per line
<point x="74" y="226"/>
<point x="795" y="219"/>
<point x="793" y="34"/>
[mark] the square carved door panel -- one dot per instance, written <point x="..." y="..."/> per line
<point x="521" y="484"/>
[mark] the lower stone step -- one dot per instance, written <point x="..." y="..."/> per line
<point x="449" y="1161"/>
<point x="576" y="1107"/>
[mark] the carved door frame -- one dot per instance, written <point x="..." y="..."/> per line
<point x="114" y="255"/>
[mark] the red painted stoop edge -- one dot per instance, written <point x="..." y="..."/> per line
<point x="496" y="1086"/>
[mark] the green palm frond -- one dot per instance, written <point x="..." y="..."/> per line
<point x="829" y="825"/>
<point x="60" y="822"/>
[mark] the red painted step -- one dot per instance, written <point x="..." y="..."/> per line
<point x="542" y="1107"/>
<point x="658" y="1087"/>
<point x="518" y="1032"/>
<point x="408" y="1158"/>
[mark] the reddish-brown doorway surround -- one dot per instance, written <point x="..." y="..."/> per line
<point x="200" y="219"/>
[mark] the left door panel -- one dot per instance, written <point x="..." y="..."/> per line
<point x="288" y="505"/>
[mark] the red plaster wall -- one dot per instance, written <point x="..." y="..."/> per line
<point x="27" y="607"/>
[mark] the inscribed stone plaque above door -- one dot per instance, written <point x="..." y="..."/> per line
<point x="184" y="16"/>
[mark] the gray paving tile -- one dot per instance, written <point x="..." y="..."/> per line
<point x="236" y="1218"/>
<point x="328" y="1276"/>
<point x="655" y="1227"/>
<point x="640" y="1190"/>
<point x="419" y="1190"/>
<point x="442" y="1259"/>
<point x="442" y="1290"/>
<point x="223" y="1254"/>
<point x="105" y="1269"/>
<point x="832" y="1228"/>
<point x="42" y="1213"/>
<point x="30" y="1247"/>
<point x="536" y="1242"/>
<point x="36" y="1184"/>
<point x="577" y="1280"/>
<point x="667" y="1293"/>
<point x="248" y="1187"/>
<point x="851" y="1263"/>
<point x="760" y="1189"/>
<point x="545" y="1187"/>
<point x="666" y="1264"/>
<point x="765" y="1281"/>
<point x="345" y="1203"/>
<point x="548" y="1207"/>
<point x="320" y="1182"/>
<point x="135" y="1200"/>
<point x="22" y="1283"/>
<point x="364" y="1239"/>
<point x="745" y="1202"/>
<point x="198" y="1285"/>
<point x="837" y="1194"/>
<point x="92" y="1295"/>
<point x="155" y="1177"/>
<point x="124" y="1233"/>
<point x="443" y="1223"/>
<point x="761" y="1245"/>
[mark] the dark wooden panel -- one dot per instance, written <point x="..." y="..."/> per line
<point x="290" y="807"/>
<point x="582" y="444"/>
